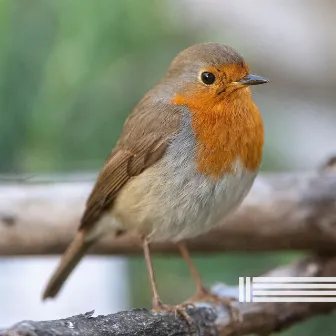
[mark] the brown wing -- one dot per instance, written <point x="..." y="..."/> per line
<point x="143" y="141"/>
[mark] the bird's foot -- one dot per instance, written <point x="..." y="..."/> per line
<point x="204" y="295"/>
<point x="180" y="309"/>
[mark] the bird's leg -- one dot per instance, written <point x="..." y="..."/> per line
<point x="200" y="288"/>
<point x="202" y="293"/>
<point x="156" y="299"/>
<point x="157" y="303"/>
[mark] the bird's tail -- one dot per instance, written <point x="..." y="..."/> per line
<point x="69" y="261"/>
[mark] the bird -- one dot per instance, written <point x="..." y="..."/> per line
<point x="187" y="156"/>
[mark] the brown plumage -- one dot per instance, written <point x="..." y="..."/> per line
<point x="135" y="151"/>
<point x="70" y="259"/>
<point x="187" y="156"/>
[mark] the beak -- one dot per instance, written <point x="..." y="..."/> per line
<point x="250" y="79"/>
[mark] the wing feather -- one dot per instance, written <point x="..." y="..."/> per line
<point x="145" y="137"/>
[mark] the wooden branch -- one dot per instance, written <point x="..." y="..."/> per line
<point x="259" y="318"/>
<point x="283" y="211"/>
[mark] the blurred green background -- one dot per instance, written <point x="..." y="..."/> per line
<point x="71" y="71"/>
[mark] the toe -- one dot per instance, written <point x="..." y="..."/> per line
<point x="177" y="310"/>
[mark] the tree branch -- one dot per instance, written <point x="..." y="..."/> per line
<point x="283" y="211"/>
<point x="260" y="318"/>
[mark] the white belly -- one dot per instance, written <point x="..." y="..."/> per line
<point x="168" y="205"/>
<point x="171" y="200"/>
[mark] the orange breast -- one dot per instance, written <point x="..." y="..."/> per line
<point x="225" y="129"/>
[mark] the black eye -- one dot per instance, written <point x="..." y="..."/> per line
<point x="208" y="78"/>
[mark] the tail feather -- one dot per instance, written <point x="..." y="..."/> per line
<point x="69" y="261"/>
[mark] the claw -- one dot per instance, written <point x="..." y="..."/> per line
<point x="206" y="296"/>
<point x="177" y="310"/>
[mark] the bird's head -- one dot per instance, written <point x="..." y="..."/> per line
<point x="209" y="72"/>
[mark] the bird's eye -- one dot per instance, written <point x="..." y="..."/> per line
<point x="208" y="78"/>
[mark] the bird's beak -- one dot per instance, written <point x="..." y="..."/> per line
<point x="250" y="79"/>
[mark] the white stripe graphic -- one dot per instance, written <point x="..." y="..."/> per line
<point x="293" y="279"/>
<point x="241" y="289"/>
<point x="293" y="286"/>
<point x="293" y="293"/>
<point x="294" y="299"/>
<point x="248" y="289"/>
<point x="287" y="289"/>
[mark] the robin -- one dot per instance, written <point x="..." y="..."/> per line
<point x="187" y="157"/>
